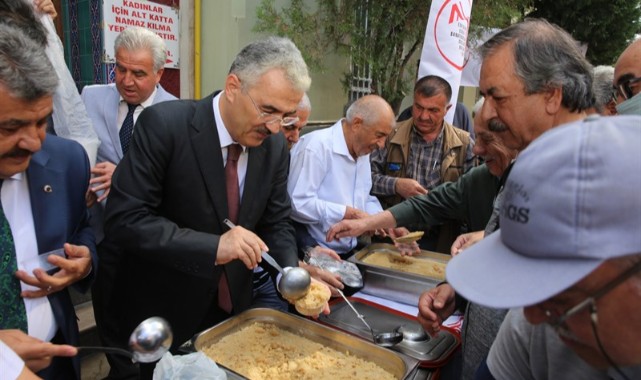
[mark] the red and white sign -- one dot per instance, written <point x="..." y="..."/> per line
<point x="118" y="15"/>
<point x="445" y="44"/>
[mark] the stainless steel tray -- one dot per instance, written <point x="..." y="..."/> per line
<point x="401" y="366"/>
<point x="394" y="284"/>
<point x="430" y="352"/>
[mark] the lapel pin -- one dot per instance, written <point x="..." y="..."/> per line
<point x="47" y="189"/>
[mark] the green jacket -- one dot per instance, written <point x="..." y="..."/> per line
<point x="468" y="200"/>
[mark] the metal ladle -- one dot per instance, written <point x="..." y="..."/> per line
<point x="384" y="339"/>
<point x="149" y="341"/>
<point x="294" y="282"/>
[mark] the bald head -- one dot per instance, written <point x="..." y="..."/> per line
<point x="627" y="68"/>
<point x="369" y="120"/>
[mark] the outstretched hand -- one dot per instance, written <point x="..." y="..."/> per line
<point x="435" y="306"/>
<point x="35" y="353"/>
<point x="466" y="240"/>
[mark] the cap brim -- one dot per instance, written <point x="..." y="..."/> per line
<point x="491" y="274"/>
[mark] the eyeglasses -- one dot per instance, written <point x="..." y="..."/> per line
<point x="558" y="322"/>
<point x="270" y="119"/>
<point x="625" y="88"/>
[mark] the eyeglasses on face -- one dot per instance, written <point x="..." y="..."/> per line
<point x="558" y="322"/>
<point x="624" y="88"/>
<point x="271" y="119"/>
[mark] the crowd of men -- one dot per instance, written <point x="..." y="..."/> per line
<point x="548" y="266"/>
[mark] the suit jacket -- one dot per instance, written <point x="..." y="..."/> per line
<point x="165" y="216"/>
<point x="60" y="216"/>
<point x="102" y="102"/>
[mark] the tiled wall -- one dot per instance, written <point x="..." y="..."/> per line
<point x="83" y="45"/>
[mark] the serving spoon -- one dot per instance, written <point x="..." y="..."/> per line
<point x="384" y="339"/>
<point x="149" y="341"/>
<point x="294" y="282"/>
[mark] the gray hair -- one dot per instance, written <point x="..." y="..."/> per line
<point x="545" y="57"/>
<point x="602" y="87"/>
<point x="304" y="103"/>
<point x="137" y="38"/>
<point x="272" y="53"/>
<point x="25" y="70"/>
<point x="369" y="108"/>
<point x="20" y="13"/>
<point x="477" y="106"/>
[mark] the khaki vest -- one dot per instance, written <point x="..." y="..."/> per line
<point x="455" y="145"/>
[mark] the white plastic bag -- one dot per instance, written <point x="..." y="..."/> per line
<point x="70" y="117"/>
<point x="188" y="367"/>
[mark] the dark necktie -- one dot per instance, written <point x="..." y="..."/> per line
<point x="12" y="311"/>
<point x="233" y="205"/>
<point x="231" y="181"/>
<point x="127" y="128"/>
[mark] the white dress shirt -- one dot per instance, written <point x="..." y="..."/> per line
<point x="17" y="208"/>
<point x="324" y="179"/>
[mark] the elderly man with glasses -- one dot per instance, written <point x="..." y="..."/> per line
<point x="569" y="253"/>
<point x="627" y="80"/>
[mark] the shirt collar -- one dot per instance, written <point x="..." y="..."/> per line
<point x="148" y="102"/>
<point x="223" y="134"/>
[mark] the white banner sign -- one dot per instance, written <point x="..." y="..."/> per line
<point x="472" y="69"/>
<point x="118" y="15"/>
<point x="445" y="44"/>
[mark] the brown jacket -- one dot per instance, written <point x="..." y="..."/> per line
<point x="455" y="143"/>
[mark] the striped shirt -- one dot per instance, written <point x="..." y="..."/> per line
<point x="423" y="164"/>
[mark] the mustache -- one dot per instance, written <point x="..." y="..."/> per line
<point x="264" y="130"/>
<point x="17" y="153"/>
<point x="496" y="125"/>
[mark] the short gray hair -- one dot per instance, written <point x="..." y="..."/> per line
<point x="25" y="70"/>
<point x="20" y="13"/>
<point x="304" y="103"/>
<point x="545" y="57"/>
<point x="137" y="38"/>
<point x="369" y="108"/>
<point x="272" y="53"/>
<point x="602" y="87"/>
<point x="477" y="106"/>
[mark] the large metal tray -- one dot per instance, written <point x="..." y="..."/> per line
<point x="394" y="284"/>
<point x="401" y="366"/>
<point x="429" y="351"/>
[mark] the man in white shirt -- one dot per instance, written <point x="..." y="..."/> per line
<point x="330" y="176"/>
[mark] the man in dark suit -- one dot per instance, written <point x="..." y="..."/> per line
<point x="43" y="184"/>
<point x="166" y="244"/>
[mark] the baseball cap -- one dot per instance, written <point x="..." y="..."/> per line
<point x="571" y="201"/>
